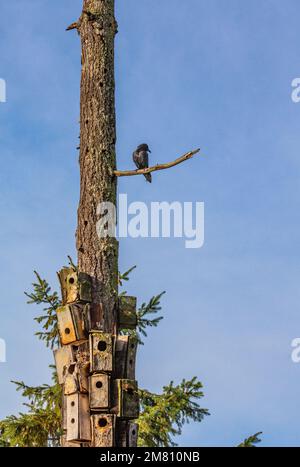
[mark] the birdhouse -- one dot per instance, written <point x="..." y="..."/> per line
<point x="103" y="429"/>
<point x="101" y="352"/>
<point x="127" y="434"/>
<point x="126" y="348"/>
<point x="75" y="286"/>
<point x="126" y="398"/>
<point x="72" y="323"/>
<point x="99" y="390"/>
<point x="76" y="378"/>
<point x="131" y="358"/>
<point x="127" y="312"/>
<point x="78" y="417"/>
<point x="133" y="433"/>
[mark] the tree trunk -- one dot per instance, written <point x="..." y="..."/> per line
<point x="98" y="257"/>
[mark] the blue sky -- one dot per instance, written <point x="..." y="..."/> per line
<point x="212" y="74"/>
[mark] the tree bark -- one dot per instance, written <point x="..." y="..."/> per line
<point x="98" y="257"/>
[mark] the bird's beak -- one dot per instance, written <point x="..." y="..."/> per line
<point x="149" y="150"/>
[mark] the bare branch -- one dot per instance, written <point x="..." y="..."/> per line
<point x="129" y="173"/>
<point x="72" y="26"/>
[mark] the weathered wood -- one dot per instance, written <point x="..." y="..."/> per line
<point x="121" y="356"/>
<point x="71" y="324"/>
<point x="79" y="287"/>
<point x="133" y="432"/>
<point x="131" y="358"/>
<point x="62" y="276"/>
<point x="63" y="357"/>
<point x="125" y="357"/>
<point x="76" y="379"/>
<point x="101" y="352"/>
<point x="99" y="390"/>
<point x="68" y="444"/>
<point x="64" y="414"/>
<point x="127" y="312"/>
<point x="75" y="286"/>
<point x="126" y="433"/>
<point x="97" y="316"/>
<point x="103" y="430"/>
<point x="78" y="417"/>
<point x="125" y="399"/>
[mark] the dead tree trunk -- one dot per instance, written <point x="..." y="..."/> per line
<point x="98" y="257"/>
<point x="95" y="364"/>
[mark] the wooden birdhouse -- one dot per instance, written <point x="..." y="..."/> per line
<point x="103" y="429"/>
<point x="75" y="286"/>
<point x="78" y="417"/>
<point x="99" y="390"/>
<point x="72" y="323"/>
<point x="101" y="352"/>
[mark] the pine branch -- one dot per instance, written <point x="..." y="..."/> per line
<point x="163" y="416"/>
<point x="124" y="276"/>
<point x="42" y="295"/>
<point x="251" y="441"/>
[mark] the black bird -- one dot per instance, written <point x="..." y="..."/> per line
<point x="141" y="159"/>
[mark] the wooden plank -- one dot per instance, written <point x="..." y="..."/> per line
<point x="99" y="391"/>
<point x="128" y="399"/>
<point x="63" y="357"/>
<point x="79" y="316"/>
<point x="121" y="433"/>
<point x="97" y="316"/>
<point x="121" y="356"/>
<point x="125" y="399"/>
<point x="131" y="358"/>
<point x="62" y="276"/>
<point x="64" y="412"/>
<point x="101" y="352"/>
<point x="126" y="433"/>
<point x="103" y="430"/>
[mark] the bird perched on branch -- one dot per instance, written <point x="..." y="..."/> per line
<point x="141" y="159"/>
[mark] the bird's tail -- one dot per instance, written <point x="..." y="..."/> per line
<point x="148" y="177"/>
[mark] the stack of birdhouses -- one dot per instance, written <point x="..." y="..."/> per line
<point x="96" y="369"/>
